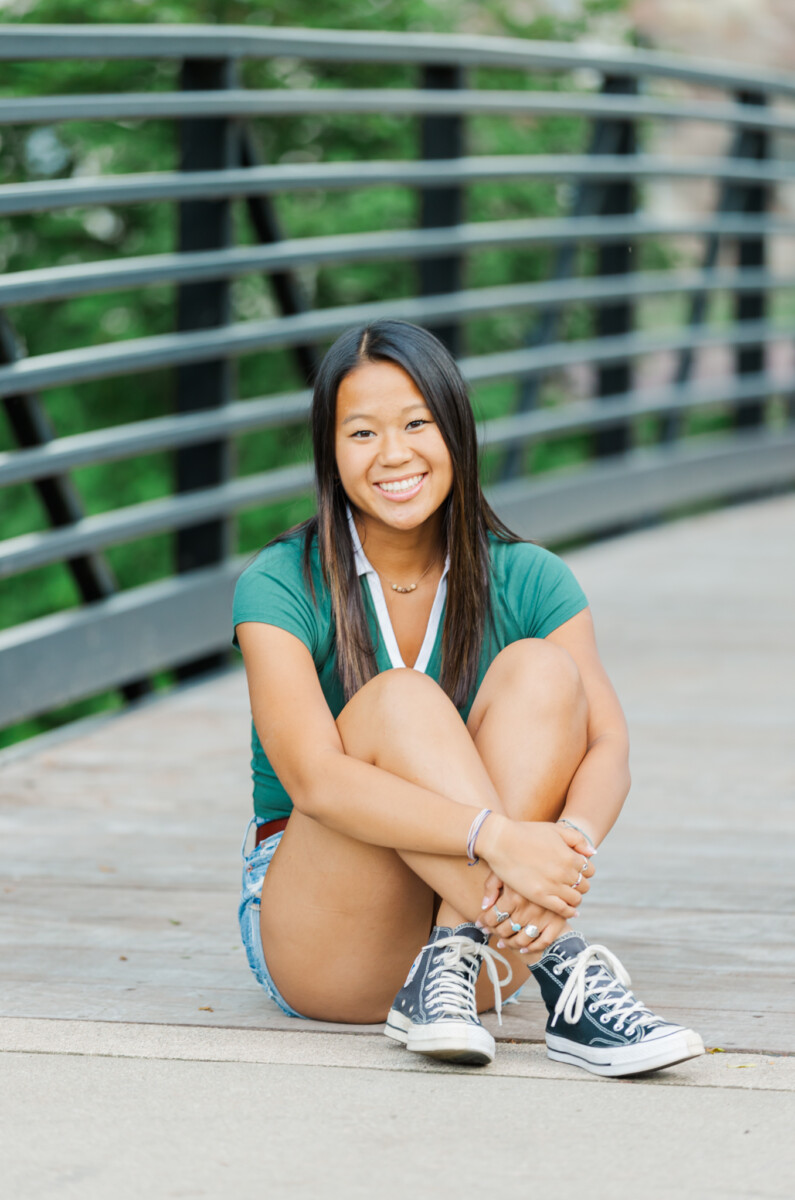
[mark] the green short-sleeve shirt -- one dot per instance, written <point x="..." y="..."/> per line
<point x="533" y="592"/>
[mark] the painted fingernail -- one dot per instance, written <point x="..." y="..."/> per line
<point x="486" y="903"/>
<point x="524" y="950"/>
<point x="479" y="925"/>
<point x="500" y="944"/>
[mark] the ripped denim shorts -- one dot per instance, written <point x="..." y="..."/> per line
<point x="255" y="864"/>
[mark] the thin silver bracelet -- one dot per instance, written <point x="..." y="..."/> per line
<point x="474" y="830"/>
<point x="571" y="825"/>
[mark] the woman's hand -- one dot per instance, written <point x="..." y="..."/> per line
<point x="544" y="925"/>
<point x="539" y="861"/>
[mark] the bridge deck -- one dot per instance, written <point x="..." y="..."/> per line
<point x="119" y="842"/>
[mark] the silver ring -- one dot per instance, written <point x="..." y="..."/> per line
<point x="501" y="916"/>
<point x="584" y="863"/>
<point x="516" y="928"/>
<point x="579" y="880"/>
<point x="531" y="931"/>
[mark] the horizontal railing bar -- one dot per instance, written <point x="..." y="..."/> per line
<point x="78" y="279"/>
<point x="242" y="102"/>
<point x="63" y="657"/>
<point x="56" y="194"/>
<point x="55" y="659"/>
<point x="519" y="364"/>
<point x="81" y="42"/>
<point x="248" y="416"/>
<point x="585" y="416"/>
<point x="646" y="483"/>
<point x="30" y="550"/>
<point x="169" y="350"/>
<point x="150" y="437"/>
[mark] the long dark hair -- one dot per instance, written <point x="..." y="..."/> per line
<point x="467" y="518"/>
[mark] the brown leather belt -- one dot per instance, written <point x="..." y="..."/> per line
<point x="270" y="827"/>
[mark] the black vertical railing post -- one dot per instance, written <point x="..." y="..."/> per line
<point x="442" y="136"/>
<point x="752" y="306"/>
<point x="590" y="198"/>
<point x="205" y="144"/>
<point x="286" y="285"/>
<point x="31" y="426"/>
<point x="672" y="424"/>
<point x="620" y="198"/>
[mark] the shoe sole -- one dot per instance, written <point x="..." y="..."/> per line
<point x="637" y="1059"/>
<point x="397" y="1026"/>
<point x="453" y="1042"/>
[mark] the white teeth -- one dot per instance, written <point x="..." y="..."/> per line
<point x="401" y="485"/>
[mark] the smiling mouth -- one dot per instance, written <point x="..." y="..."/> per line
<point x="401" y="487"/>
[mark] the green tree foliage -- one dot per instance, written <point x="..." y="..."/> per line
<point x="91" y="148"/>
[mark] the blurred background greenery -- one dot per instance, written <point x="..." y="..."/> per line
<point x="118" y="147"/>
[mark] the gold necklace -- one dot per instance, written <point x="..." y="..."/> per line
<point x="396" y="587"/>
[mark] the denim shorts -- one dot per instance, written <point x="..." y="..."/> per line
<point x="255" y="865"/>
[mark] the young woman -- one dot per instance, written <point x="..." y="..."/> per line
<point x="437" y="749"/>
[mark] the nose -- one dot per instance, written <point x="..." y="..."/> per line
<point x="395" y="449"/>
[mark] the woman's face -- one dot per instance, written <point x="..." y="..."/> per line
<point x="391" y="457"/>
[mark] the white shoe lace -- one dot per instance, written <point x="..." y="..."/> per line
<point x="452" y="992"/>
<point x="597" y="988"/>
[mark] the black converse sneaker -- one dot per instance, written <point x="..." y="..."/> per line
<point x="603" y="1028"/>
<point x="435" y="1011"/>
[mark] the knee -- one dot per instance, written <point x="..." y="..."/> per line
<point x="390" y="701"/>
<point x="399" y="685"/>
<point x="536" y="663"/>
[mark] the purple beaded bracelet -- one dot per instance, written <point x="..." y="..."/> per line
<point x="474" y="830"/>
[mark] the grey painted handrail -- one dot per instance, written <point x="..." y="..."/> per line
<point x="176" y="349"/>
<point x="52" y="195"/>
<point x="49" y="42"/>
<point x="31" y="550"/>
<point x="241" y="102"/>
<point x="80" y="279"/>
<point x="148" y="437"/>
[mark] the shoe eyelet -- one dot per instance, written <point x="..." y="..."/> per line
<point x="605" y="1017"/>
<point x="593" y="1008"/>
<point x="557" y="970"/>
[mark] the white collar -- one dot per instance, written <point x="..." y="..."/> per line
<point x="364" y="567"/>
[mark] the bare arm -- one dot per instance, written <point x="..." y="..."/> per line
<point x="601" y="782"/>
<point x="300" y="737"/>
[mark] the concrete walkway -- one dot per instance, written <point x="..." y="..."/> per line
<point x="94" y="1111"/>
<point x="140" y="1058"/>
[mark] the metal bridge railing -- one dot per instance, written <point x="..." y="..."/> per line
<point x="119" y="637"/>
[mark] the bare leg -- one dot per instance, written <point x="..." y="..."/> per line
<point x="529" y="725"/>
<point x="341" y="919"/>
<point x="331" y="882"/>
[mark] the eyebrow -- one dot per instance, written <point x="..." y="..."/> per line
<point x="369" y="416"/>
